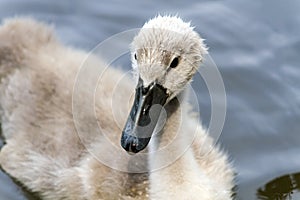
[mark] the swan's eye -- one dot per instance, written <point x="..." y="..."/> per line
<point x="174" y="62"/>
<point x="135" y="57"/>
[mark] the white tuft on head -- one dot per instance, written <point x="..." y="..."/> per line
<point x="159" y="42"/>
<point x="171" y="23"/>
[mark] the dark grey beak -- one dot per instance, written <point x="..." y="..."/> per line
<point x="143" y="117"/>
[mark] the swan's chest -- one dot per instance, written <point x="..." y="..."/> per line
<point x="137" y="186"/>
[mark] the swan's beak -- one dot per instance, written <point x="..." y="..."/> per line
<point x="143" y="117"/>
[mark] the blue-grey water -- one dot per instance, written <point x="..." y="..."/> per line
<point x="256" y="46"/>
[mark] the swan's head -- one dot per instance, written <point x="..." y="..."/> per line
<point x="165" y="54"/>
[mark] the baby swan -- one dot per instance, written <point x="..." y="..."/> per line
<point x="45" y="152"/>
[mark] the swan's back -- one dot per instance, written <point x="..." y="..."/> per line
<point x="37" y="78"/>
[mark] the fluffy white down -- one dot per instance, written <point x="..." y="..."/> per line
<point x="43" y="151"/>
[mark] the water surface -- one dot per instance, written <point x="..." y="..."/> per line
<point x="256" y="46"/>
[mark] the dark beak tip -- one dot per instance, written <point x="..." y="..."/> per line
<point x="132" y="144"/>
<point x="129" y="143"/>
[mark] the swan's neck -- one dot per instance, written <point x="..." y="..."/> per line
<point x="171" y="159"/>
<point x="171" y="137"/>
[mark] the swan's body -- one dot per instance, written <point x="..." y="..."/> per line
<point x="43" y="150"/>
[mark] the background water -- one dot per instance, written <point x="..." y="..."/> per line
<point x="255" y="44"/>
